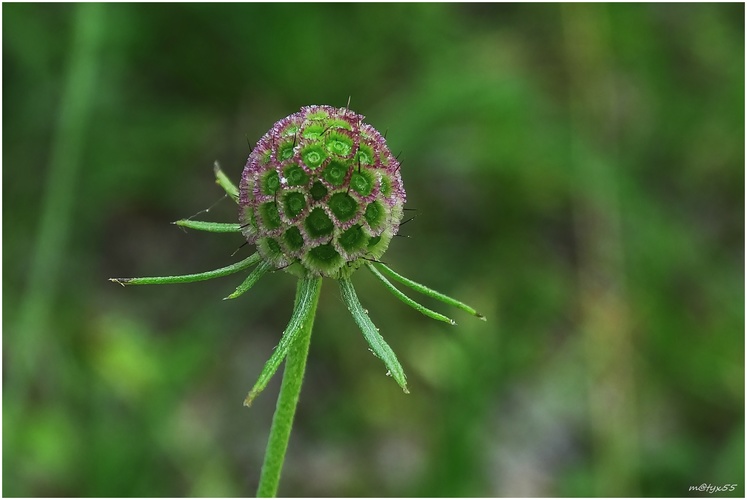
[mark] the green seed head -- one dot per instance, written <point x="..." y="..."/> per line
<point x="320" y="193"/>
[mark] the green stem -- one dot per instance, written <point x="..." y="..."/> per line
<point x="295" y="365"/>
<point x="73" y="118"/>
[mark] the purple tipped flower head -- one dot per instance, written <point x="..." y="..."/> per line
<point x="320" y="196"/>
<point x="321" y="193"/>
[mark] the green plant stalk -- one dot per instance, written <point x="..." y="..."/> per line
<point x="51" y="239"/>
<point x="290" y="388"/>
<point x="597" y="215"/>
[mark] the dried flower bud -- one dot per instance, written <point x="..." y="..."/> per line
<point x="320" y="193"/>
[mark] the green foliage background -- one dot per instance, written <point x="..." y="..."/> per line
<point x="578" y="172"/>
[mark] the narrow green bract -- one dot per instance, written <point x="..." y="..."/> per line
<point x="190" y="278"/>
<point x="407" y="300"/>
<point x="211" y="227"/>
<point x="378" y="345"/>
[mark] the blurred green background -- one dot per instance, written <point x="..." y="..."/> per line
<point x="578" y="175"/>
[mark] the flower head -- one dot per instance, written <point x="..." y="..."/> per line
<point x="321" y="193"/>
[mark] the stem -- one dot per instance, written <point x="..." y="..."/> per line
<point x="597" y="215"/>
<point x="74" y="116"/>
<point x="295" y="365"/>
